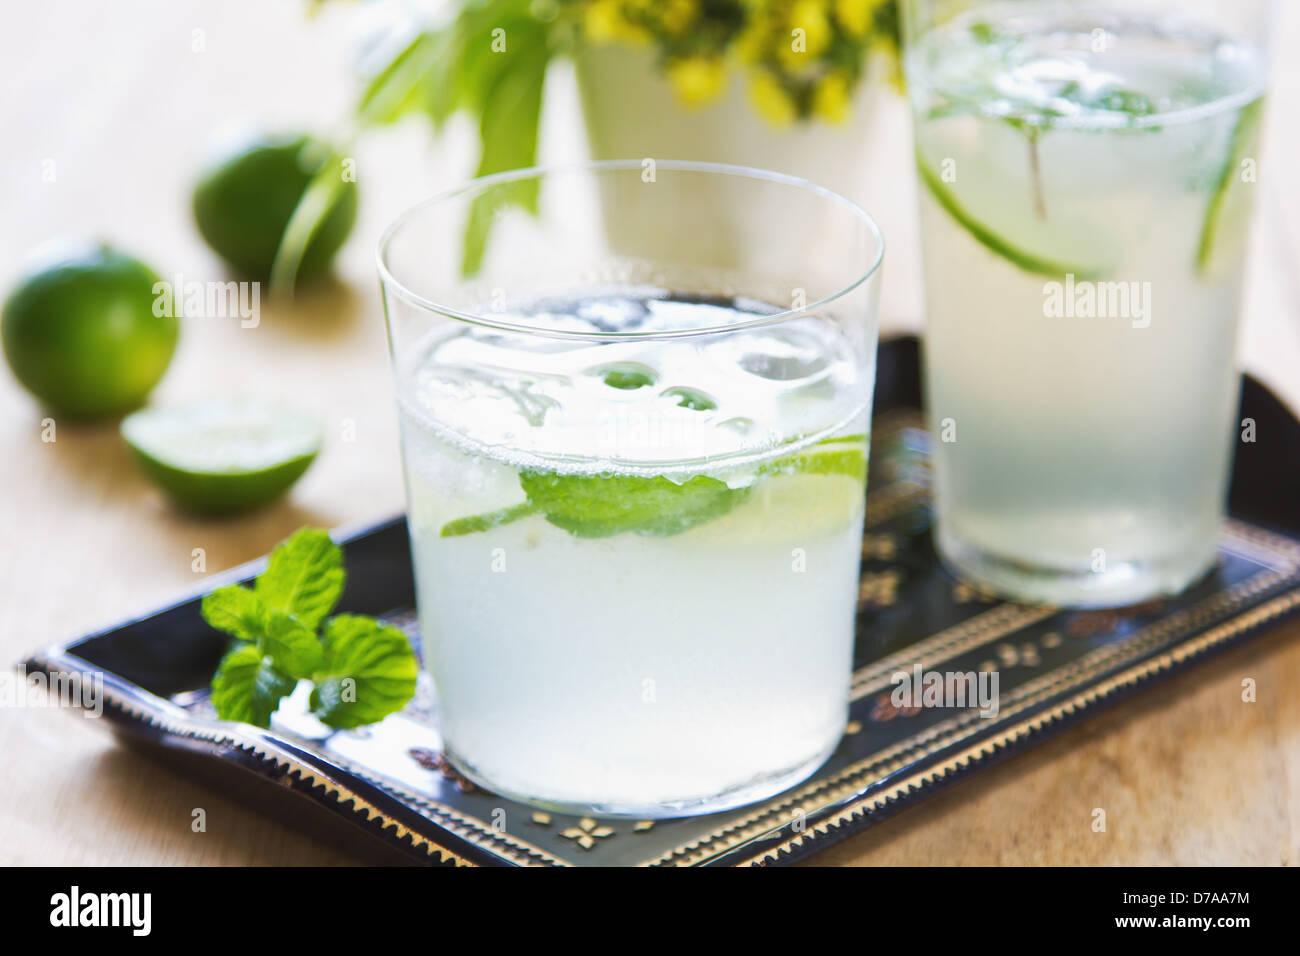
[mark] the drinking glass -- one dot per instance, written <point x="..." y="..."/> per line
<point x="635" y="401"/>
<point x="1087" y="177"/>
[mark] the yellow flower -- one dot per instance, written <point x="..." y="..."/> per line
<point x="604" y="21"/>
<point x="677" y="15"/>
<point x="771" y="101"/>
<point x="809" y="34"/>
<point x="831" y="97"/>
<point x="855" y="15"/>
<point x="810" y="16"/>
<point x="697" y="79"/>
<point x="754" y="35"/>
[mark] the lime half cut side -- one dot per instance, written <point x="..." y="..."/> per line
<point x="221" y="456"/>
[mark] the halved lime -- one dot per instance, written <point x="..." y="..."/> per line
<point x="220" y="456"/>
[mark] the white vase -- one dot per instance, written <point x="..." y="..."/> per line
<point x="631" y="112"/>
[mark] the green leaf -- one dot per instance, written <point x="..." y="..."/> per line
<point x="1018" y="257"/>
<point x="249" y="687"/>
<point x="304" y="577"/>
<point x="1243" y="141"/>
<point x="486" y="522"/>
<point x="415" y="80"/>
<point x="465" y="67"/>
<point x="368" y="673"/>
<point x="236" y="611"/>
<point x="599" y="506"/>
<point x="508" y="125"/>
<point x="292" y="647"/>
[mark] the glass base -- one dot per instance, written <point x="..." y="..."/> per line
<point x="750" y="792"/>
<point x="1120" y="585"/>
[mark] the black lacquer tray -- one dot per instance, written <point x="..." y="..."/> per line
<point x="387" y="789"/>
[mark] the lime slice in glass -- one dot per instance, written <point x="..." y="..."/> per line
<point x="1019" y="256"/>
<point x="1227" y="217"/>
<point x="221" y="456"/>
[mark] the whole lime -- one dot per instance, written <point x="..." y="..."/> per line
<point x="244" y="201"/>
<point x="81" y="332"/>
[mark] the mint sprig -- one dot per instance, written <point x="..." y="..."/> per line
<point x="601" y="506"/>
<point x="363" y="669"/>
<point x="367" y="673"/>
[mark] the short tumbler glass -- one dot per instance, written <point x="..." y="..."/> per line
<point x="635" y="401"/>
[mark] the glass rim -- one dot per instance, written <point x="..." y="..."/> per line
<point x="390" y="282"/>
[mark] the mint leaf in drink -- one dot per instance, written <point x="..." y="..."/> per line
<point x="249" y="687"/>
<point x="368" y="672"/>
<point x="487" y="521"/>
<point x="1132" y="102"/>
<point x="236" y="611"/>
<point x="304" y="577"/>
<point x="599" y="506"/>
<point x="690" y="398"/>
<point x="627" y="376"/>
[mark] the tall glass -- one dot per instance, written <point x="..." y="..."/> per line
<point x="1087" y="178"/>
<point x="634" y="425"/>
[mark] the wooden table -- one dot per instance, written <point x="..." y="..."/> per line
<point x="120" y="100"/>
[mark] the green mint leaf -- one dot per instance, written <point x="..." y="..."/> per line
<point x="1020" y="258"/>
<point x="236" y="611"/>
<point x="368" y="672"/>
<point x="292" y="648"/>
<point x="248" y="686"/>
<point x="1133" y="102"/>
<point x="304" y="577"/>
<point x="485" y="522"/>
<point x="599" y="506"/>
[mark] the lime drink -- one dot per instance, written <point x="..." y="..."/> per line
<point x="1087" y="181"/>
<point x="634" y="399"/>
<point x="637" y="580"/>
